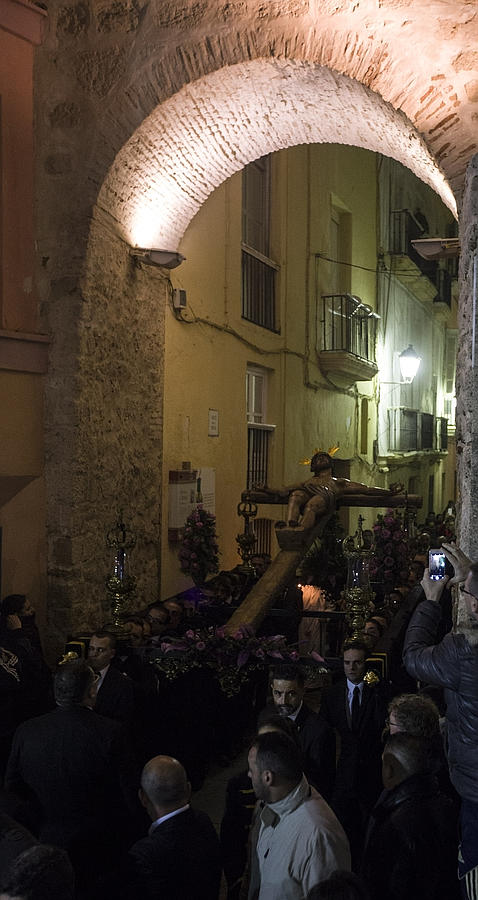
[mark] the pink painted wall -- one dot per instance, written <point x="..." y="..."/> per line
<point x="18" y="307"/>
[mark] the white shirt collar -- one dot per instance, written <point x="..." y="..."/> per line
<point x="170" y="815"/>
<point x="351" y="687"/>
<point x="296" y="712"/>
<point x="102" y="674"/>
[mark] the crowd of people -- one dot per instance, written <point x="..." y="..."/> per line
<point x="372" y="793"/>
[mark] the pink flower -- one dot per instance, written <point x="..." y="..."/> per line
<point x="190" y="634"/>
<point x="259" y="653"/>
<point x="200" y="645"/>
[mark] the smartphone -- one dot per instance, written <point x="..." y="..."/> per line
<point x="436" y="564"/>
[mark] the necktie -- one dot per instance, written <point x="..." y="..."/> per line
<point x="355" y="708"/>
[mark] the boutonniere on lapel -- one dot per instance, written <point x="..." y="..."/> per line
<point x="371" y="678"/>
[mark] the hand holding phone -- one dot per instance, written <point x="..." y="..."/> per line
<point x="436" y="564"/>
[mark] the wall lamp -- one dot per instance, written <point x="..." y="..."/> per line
<point x="409" y="364"/>
<point x="168" y="259"/>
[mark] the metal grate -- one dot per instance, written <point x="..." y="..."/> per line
<point x="427" y="432"/>
<point x="257" y="456"/>
<point x="442" y="433"/>
<point x="258" y="291"/>
<point x="263" y="534"/>
<point x="402" y="430"/>
<point x="348" y="324"/>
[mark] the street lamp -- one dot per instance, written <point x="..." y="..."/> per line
<point x="409" y="362"/>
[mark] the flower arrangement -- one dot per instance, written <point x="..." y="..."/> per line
<point x="230" y="656"/>
<point x="391" y="549"/>
<point x="199" y="553"/>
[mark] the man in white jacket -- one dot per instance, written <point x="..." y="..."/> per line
<point x="296" y="840"/>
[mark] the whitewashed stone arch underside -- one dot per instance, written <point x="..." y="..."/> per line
<point x="213" y="127"/>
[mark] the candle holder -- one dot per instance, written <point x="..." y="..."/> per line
<point x="120" y="584"/>
<point x="358" y="593"/>
<point x="246" y="540"/>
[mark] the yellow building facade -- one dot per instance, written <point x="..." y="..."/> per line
<point x="324" y="239"/>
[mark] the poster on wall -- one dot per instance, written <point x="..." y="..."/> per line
<point x="187" y="488"/>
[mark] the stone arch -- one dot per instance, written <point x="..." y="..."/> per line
<point x="212" y="128"/>
<point x="123" y="66"/>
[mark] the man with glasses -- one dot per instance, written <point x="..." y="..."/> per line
<point x="453" y="664"/>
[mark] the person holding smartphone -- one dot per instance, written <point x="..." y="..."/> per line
<point x="452" y="663"/>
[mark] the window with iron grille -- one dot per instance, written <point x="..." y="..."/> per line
<point x="258" y="432"/>
<point x="258" y="270"/>
<point x="263" y="534"/>
<point x="402" y="430"/>
<point x="442" y="433"/>
<point x="258" y="290"/>
<point x="258" y="438"/>
<point x="348" y="324"/>
<point x="427" y="431"/>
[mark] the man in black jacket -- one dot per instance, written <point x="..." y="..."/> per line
<point x="115" y="691"/>
<point x="316" y="737"/>
<point x="453" y="664"/>
<point x="180" y="857"/>
<point x="72" y="765"/>
<point x="357" y="711"/>
<point x="410" y="850"/>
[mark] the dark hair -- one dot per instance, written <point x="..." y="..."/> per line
<point x="72" y="681"/>
<point x="135" y="619"/>
<point x="158" y="605"/>
<point x="287" y="672"/>
<point x="101" y="634"/>
<point x="341" y="885"/>
<point x="267" y="716"/>
<point x="415" y="714"/>
<point x="326" y="460"/>
<point x="279" y="754"/>
<point x="13" y="604"/>
<point x="40" y="873"/>
<point x="378" y="625"/>
<point x="415" y="754"/>
<point x="356" y="644"/>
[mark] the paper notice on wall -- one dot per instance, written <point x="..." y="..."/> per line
<point x="182" y="498"/>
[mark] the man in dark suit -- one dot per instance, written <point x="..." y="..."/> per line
<point x="316" y="737"/>
<point x="115" y="691"/>
<point x="180" y="857"/>
<point x="72" y="764"/>
<point x="357" y="711"/>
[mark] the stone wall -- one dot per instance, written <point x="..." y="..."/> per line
<point x="467" y="368"/>
<point x="109" y="451"/>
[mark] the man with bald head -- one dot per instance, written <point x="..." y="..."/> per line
<point x="181" y="856"/>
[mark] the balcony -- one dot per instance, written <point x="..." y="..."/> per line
<point x="347" y="333"/>
<point x="410" y="430"/>
<point x="426" y="278"/>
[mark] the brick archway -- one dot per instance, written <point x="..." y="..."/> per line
<point x="212" y="128"/>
